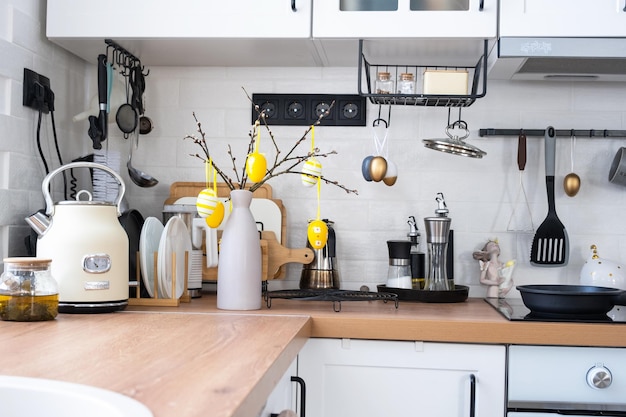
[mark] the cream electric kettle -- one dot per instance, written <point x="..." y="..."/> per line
<point x="88" y="247"/>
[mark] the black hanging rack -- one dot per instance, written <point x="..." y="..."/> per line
<point x="580" y="133"/>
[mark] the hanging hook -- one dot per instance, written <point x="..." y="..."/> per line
<point x="379" y="119"/>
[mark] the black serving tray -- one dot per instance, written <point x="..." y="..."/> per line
<point x="458" y="295"/>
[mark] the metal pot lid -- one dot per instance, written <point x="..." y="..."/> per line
<point x="454" y="144"/>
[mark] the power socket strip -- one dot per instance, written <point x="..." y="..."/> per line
<point x="37" y="93"/>
<point x="305" y="109"/>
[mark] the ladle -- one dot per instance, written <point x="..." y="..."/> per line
<point x="137" y="176"/>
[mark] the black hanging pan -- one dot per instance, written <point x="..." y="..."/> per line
<point x="571" y="300"/>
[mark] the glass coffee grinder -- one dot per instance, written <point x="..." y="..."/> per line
<point x="437" y="233"/>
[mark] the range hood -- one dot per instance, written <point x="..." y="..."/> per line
<point x="558" y="59"/>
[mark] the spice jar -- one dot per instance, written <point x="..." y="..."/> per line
<point x="384" y="83"/>
<point x="28" y="292"/>
<point x="406" y="83"/>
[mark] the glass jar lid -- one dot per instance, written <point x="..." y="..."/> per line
<point x="27" y="263"/>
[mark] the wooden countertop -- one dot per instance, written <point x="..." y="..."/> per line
<point x="472" y="321"/>
<point x="195" y="360"/>
<point x="178" y="365"/>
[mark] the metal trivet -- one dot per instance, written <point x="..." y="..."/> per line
<point x="336" y="296"/>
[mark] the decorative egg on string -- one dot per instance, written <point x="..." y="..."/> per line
<point x="215" y="218"/>
<point x="256" y="166"/>
<point x="317" y="233"/>
<point x="378" y="168"/>
<point x="206" y="202"/>
<point x="391" y="176"/>
<point x="365" y="167"/>
<point x="311" y="171"/>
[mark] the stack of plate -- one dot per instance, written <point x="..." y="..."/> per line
<point x="170" y="242"/>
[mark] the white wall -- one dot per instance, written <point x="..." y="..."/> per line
<point x="23" y="45"/>
<point x="479" y="193"/>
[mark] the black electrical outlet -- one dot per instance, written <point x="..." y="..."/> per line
<point x="37" y="93"/>
<point x="305" y="109"/>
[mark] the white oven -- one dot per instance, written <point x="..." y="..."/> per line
<point x="544" y="381"/>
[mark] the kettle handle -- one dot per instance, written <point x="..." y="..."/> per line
<point x="46" y="183"/>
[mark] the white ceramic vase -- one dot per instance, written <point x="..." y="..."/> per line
<point x="239" y="262"/>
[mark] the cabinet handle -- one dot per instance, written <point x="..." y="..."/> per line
<point x="481" y="5"/>
<point x="472" y="412"/>
<point x="300" y="382"/>
<point x="624" y="9"/>
<point x="293" y="6"/>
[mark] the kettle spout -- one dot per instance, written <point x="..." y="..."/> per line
<point x="39" y="222"/>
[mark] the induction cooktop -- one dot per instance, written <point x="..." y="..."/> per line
<point x="514" y="309"/>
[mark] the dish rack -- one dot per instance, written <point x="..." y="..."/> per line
<point x="477" y="77"/>
<point x="156" y="301"/>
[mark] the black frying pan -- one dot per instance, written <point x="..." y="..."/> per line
<point x="574" y="300"/>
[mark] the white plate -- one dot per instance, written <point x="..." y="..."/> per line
<point x="175" y="239"/>
<point x="149" y="244"/>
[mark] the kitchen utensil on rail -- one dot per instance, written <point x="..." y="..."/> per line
<point x="126" y="116"/>
<point x="454" y="144"/>
<point x="617" y="173"/>
<point x="571" y="300"/>
<point x="519" y="222"/>
<point x="98" y="125"/>
<point x="550" y="245"/>
<point x="571" y="182"/>
<point x="88" y="247"/>
<point x="137" y="176"/>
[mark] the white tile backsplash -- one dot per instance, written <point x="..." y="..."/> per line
<point x="479" y="193"/>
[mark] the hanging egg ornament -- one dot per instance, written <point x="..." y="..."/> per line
<point x="317" y="233"/>
<point x="365" y="167"/>
<point x="256" y="166"/>
<point x="215" y="218"/>
<point x="378" y="168"/>
<point x="206" y="202"/>
<point x="311" y="171"/>
<point x="391" y="176"/>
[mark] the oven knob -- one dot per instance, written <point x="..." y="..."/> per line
<point x="599" y="377"/>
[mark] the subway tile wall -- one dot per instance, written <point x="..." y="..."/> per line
<point x="23" y="45"/>
<point x="479" y="192"/>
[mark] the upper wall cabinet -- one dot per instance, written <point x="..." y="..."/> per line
<point x="555" y="18"/>
<point x="405" y="19"/>
<point x="188" y="32"/>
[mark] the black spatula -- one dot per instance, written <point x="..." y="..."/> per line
<point x="550" y="245"/>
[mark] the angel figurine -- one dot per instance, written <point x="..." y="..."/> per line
<point x="497" y="275"/>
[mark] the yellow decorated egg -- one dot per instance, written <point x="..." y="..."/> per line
<point x="215" y="219"/>
<point x="206" y="202"/>
<point x="378" y="168"/>
<point x="256" y="166"/>
<point x="317" y="233"/>
<point x="311" y="170"/>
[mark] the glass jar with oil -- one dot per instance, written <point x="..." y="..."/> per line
<point x="28" y="292"/>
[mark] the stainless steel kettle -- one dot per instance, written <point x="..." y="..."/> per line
<point x="322" y="272"/>
<point x="88" y="247"/>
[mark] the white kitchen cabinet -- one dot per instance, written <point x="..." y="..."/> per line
<point x="188" y="32"/>
<point x="180" y="19"/>
<point x="555" y="18"/>
<point x="283" y="397"/>
<point x="349" y="377"/>
<point x="405" y="18"/>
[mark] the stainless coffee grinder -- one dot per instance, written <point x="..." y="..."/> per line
<point x="437" y="237"/>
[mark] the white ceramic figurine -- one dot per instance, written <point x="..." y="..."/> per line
<point x="497" y="275"/>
